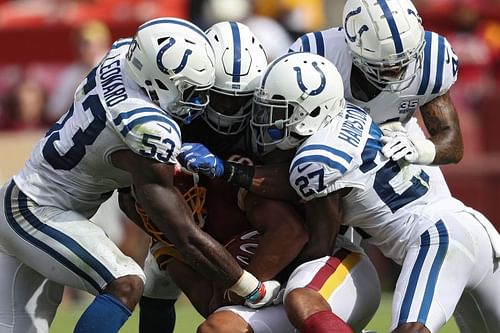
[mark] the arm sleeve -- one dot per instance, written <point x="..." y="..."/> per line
<point x="440" y="67"/>
<point x="316" y="172"/>
<point x="152" y="135"/>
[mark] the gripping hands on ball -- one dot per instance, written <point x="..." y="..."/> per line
<point x="257" y="294"/>
<point x="265" y="294"/>
<point x="197" y="158"/>
<point x="399" y="145"/>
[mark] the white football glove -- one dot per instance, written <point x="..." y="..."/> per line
<point x="392" y="128"/>
<point x="415" y="151"/>
<point x="398" y="145"/>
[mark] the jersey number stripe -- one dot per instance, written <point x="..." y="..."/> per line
<point x="81" y="138"/>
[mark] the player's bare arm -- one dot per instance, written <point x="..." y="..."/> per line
<point x="283" y="235"/>
<point x="271" y="181"/>
<point x="323" y="220"/>
<point x="441" y="120"/>
<point x="153" y="185"/>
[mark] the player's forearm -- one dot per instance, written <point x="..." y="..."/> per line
<point x="272" y="181"/>
<point x="173" y="217"/>
<point x="442" y="123"/>
<point x="449" y="146"/>
<point x="323" y="218"/>
<point x="268" y="181"/>
<point x="283" y="236"/>
<point x="272" y="255"/>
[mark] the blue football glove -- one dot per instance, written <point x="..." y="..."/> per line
<point x="197" y="158"/>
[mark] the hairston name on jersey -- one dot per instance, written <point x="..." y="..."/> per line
<point x="352" y="127"/>
<point x="111" y="79"/>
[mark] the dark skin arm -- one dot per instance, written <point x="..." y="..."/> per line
<point x="323" y="220"/>
<point x="155" y="191"/>
<point x="283" y="235"/>
<point x="271" y="180"/>
<point x="441" y="121"/>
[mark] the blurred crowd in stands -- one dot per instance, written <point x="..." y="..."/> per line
<point x="48" y="46"/>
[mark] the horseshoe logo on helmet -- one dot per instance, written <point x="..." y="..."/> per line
<point x="302" y="87"/>
<point x="164" y="48"/>
<point x="363" y="28"/>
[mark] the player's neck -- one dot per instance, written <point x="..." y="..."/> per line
<point x="361" y="88"/>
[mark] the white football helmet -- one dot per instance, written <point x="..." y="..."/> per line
<point x="240" y="61"/>
<point x="386" y="39"/>
<point x="173" y="61"/>
<point x="299" y="94"/>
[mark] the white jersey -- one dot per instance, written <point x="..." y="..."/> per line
<point x="434" y="78"/>
<point x="70" y="167"/>
<point x="387" y="200"/>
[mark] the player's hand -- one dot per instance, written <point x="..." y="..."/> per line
<point x="401" y="146"/>
<point x="197" y="158"/>
<point x="393" y="128"/>
<point x="263" y="295"/>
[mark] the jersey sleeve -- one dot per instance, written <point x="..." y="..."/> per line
<point x="439" y="68"/>
<point x="318" y="170"/>
<point x="151" y="133"/>
<point x="296" y="46"/>
<point x="313" y="42"/>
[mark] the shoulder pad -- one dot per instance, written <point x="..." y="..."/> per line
<point x="121" y="42"/>
<point x="314" y="42"/>
<point x="315" y="169"/>
<point x="439" y="68"/>
<point x="150" y="132"/>
<point x="321" y="165"/>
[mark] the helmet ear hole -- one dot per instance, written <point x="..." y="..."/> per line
<point x="161" y="85"/>
<point x="161" y="40"/>
<point x="315" y="112"/>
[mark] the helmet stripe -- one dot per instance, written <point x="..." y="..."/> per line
<point x="176" y="21"/>
<point x="398" y="44"/>
<point x="237" y="54"/>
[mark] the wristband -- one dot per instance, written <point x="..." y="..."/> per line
<point x="426" y="150"/>
<point x="246" y="285"/>
<point x="238" y="174"/>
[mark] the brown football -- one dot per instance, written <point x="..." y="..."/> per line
<point x="243" y="246"/>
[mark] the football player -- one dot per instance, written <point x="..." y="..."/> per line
<point x="121" y="130"/>
<point x="448" y="252"/>
<point x="239" y="63"/>
<point x="351" y="273"/>
<point x="339" y="289"/>
<point x="391" y="67"/>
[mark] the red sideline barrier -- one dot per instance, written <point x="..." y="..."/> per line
<point x="476" y="182"/>
<point x="50" y="43"/>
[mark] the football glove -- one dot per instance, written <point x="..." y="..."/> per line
<point x="412" y="150"/>
<point x="398" y="145"/>
<point x="197" y="158"/>
<point x="264" y="295"/>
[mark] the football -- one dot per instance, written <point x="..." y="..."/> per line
<point x="243" y="246"/>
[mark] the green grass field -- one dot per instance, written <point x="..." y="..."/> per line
<point x="188" y="319"/>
